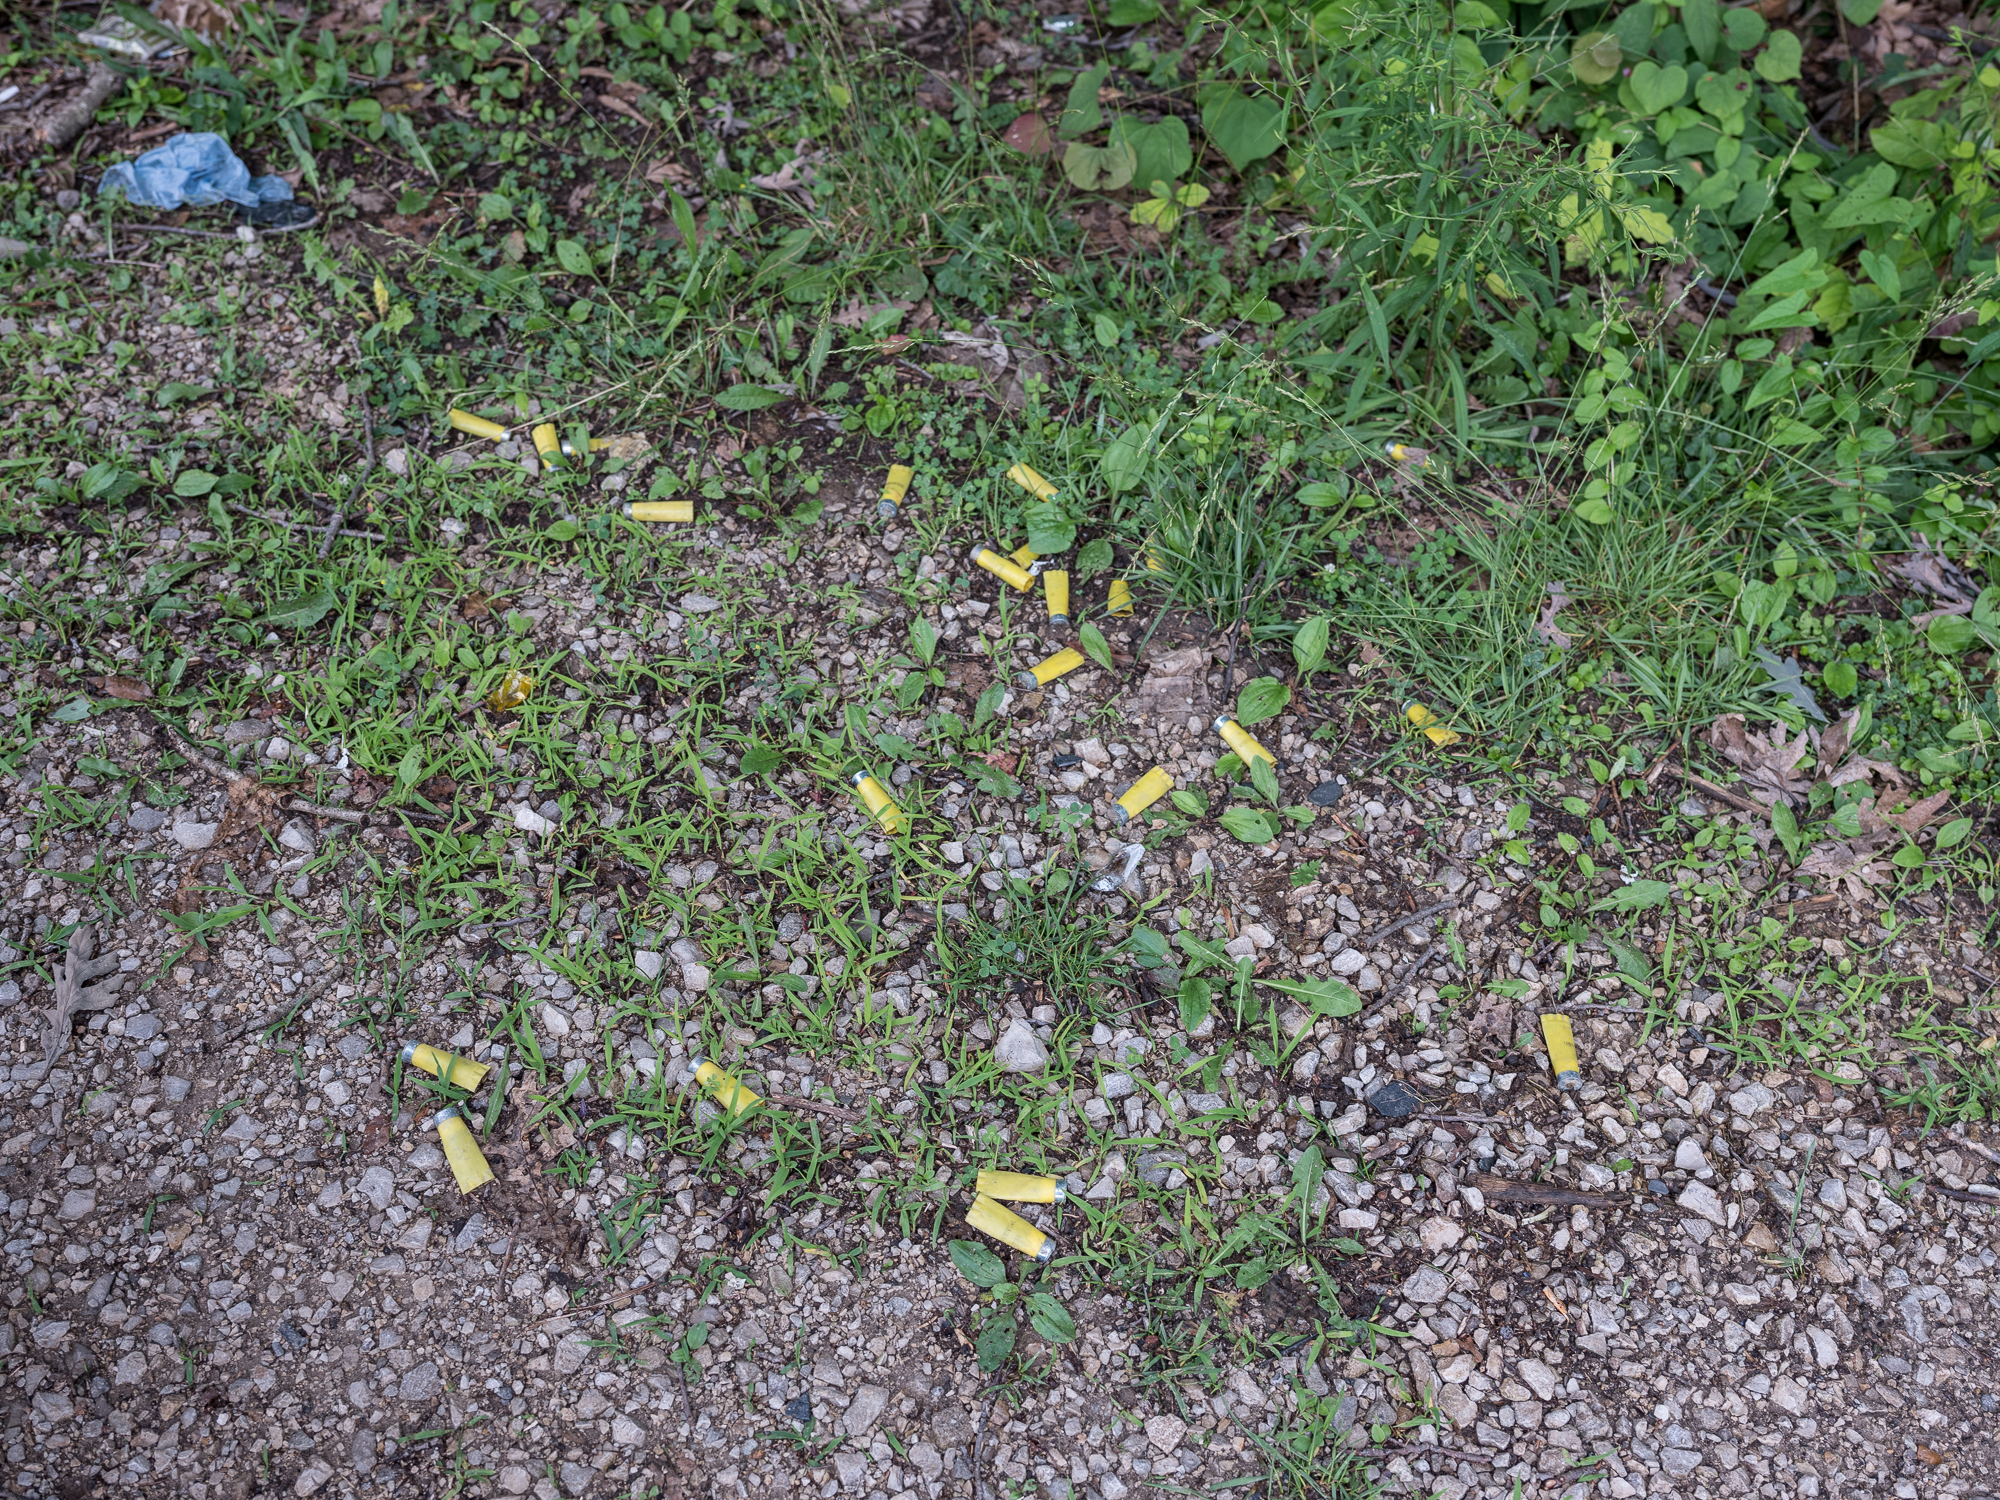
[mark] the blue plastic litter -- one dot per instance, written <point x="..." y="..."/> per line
<point x="195" y="169"/>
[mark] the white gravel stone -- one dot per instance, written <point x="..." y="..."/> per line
<point x="1165" y="1433"/>
<point x="378" y="1186"/>
<point x="1019" y="1050"/>
<point x="1700" y="1198"/>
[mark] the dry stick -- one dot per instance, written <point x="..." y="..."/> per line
<point x="1416" y="916"/>
<point x="199" y="234"/>
<point x="291" y="525"/>
<point x="66" y="123"/>
<point x="354" y="489"/>
<point x="225" y="774"/>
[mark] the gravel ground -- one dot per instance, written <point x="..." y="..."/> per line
<point x="241" y="1265"/>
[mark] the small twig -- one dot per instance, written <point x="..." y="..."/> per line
<point x="1416" y="916"/>
<point x="1961" y="1196"/>
<point x="291" y="525"/>
<point x="368" y="467"/>
<point x="831" y="1111"/>
<point x="1721" y="793"/>
<point x="200" y="234"/>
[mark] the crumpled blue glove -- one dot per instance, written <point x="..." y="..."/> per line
<point x="195" y="169"/>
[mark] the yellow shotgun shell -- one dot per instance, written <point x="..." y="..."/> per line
<point x="1142" y="794"/>
<point x="465" y="421"/>
<point x="1026" y="557"/>
<point x="1050" y="668"/>
<point x="1009" y="1228"/>
<point x="1032" y="482"/>
<point x="1020" y="1187"/>
<point x="727" y="1090"/>
<point x="460" y="1072"/>
<point x="468" y="1162"/>
<point x="1120" y="600"/>
<point x="1242" y="741"/>
<point x="1561" y="1042"/>
<point x="548" y="442"/>
<point x="881" y="806"/>
<point x="513" y="691"/>
<point x="1154" y="563"/>
<point x="659" y="510"/>
<point x="1433" y="729"/>
<point x="894" y="488"/>
<point x="1055" y="587"/>
<point x="1006" y="571"/>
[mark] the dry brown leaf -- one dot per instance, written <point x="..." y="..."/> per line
<point x="203" y="17"/>
<point x="1912" y="820"/>
<point x="1930" y="570"/>
<point x="663" y="171"/>
<point x="131" y="689"/>
<point x="1030" y="135"/>
<point x="1769" y="763"/>
<point x="72" y="998"/>
<point x="1546" y="628"/>
<point x="1173" y="687"/>
<point x="856" y="313"/>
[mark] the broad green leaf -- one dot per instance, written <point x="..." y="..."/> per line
<point x="1657" y="88"/>
<point x="1703" y="22"/>
<point x="1081" y="111"/>
<point x="176" y="391"/>
<point x="1595" y="58"/>
<point x="1245" y="128"/>
<point x="1253" y="1273"/>
<point x="683" y="217"/>
<point x="1192" y="801"/>
<point x="1780" y="59"/>
<point x="995" y="1343"/>
<point x="303" y="611"/>
<point x="495" y="207"/>
<point x="1957" y="831"/>
<point x="1640" y="895"/>
<point x="1049" y="530"/>
<point x="749" y="398"/>
<point x="760" y="760"/>
<point x="1147" y="947"/>
<point x="1161" y="152"/>
<point x="977" y="1264"/>
<point x="1950" y="634"/>
<point x="1517" y="816"/>
<point x="1092" y="558"/>
<point x="191" y="483"/>
<point x="1261" y="698"/>
<point x="1104" y="328"/>
<point x="72" y="712"/>
<point x="1743" y="28"/>
<point x="1265" y="780"/>
<point x="1334" y="998"/>
<point x="1125" y="459"/>
<point x="1099" y="169"/>
<point x="563" y="531"/>
<point x="410" y="769"/>
<point x="1324" y="494"/>
<point x="1050" y="1318"/>
<point x="106" y="481"/>
<point x="1091" y="639"/>
<point x="923" y="639"/>
<point x="1249" y="825"/>
<point x="1195" y="997"/>
<point x="1860" y="12"/>
<point x="991" y="779"/>
<point x="1840" y="678"/>
<point x="1309" y="645"/>
<point x="1596" y="512"/>
<point x="575" y="258"/>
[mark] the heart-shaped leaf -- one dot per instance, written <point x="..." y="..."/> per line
<point x="1125" y="459"/>
<point x="1780" y="59"/>
<point x="1081" y="111"/>
<point x="1245" y="128"/>
<point x="1163" y="150"/>
<point x="1595" y="57"/>
<point x="1657" y="88"/>
<point x="1744" y="28"/>
<point x="1099" y="169"/>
